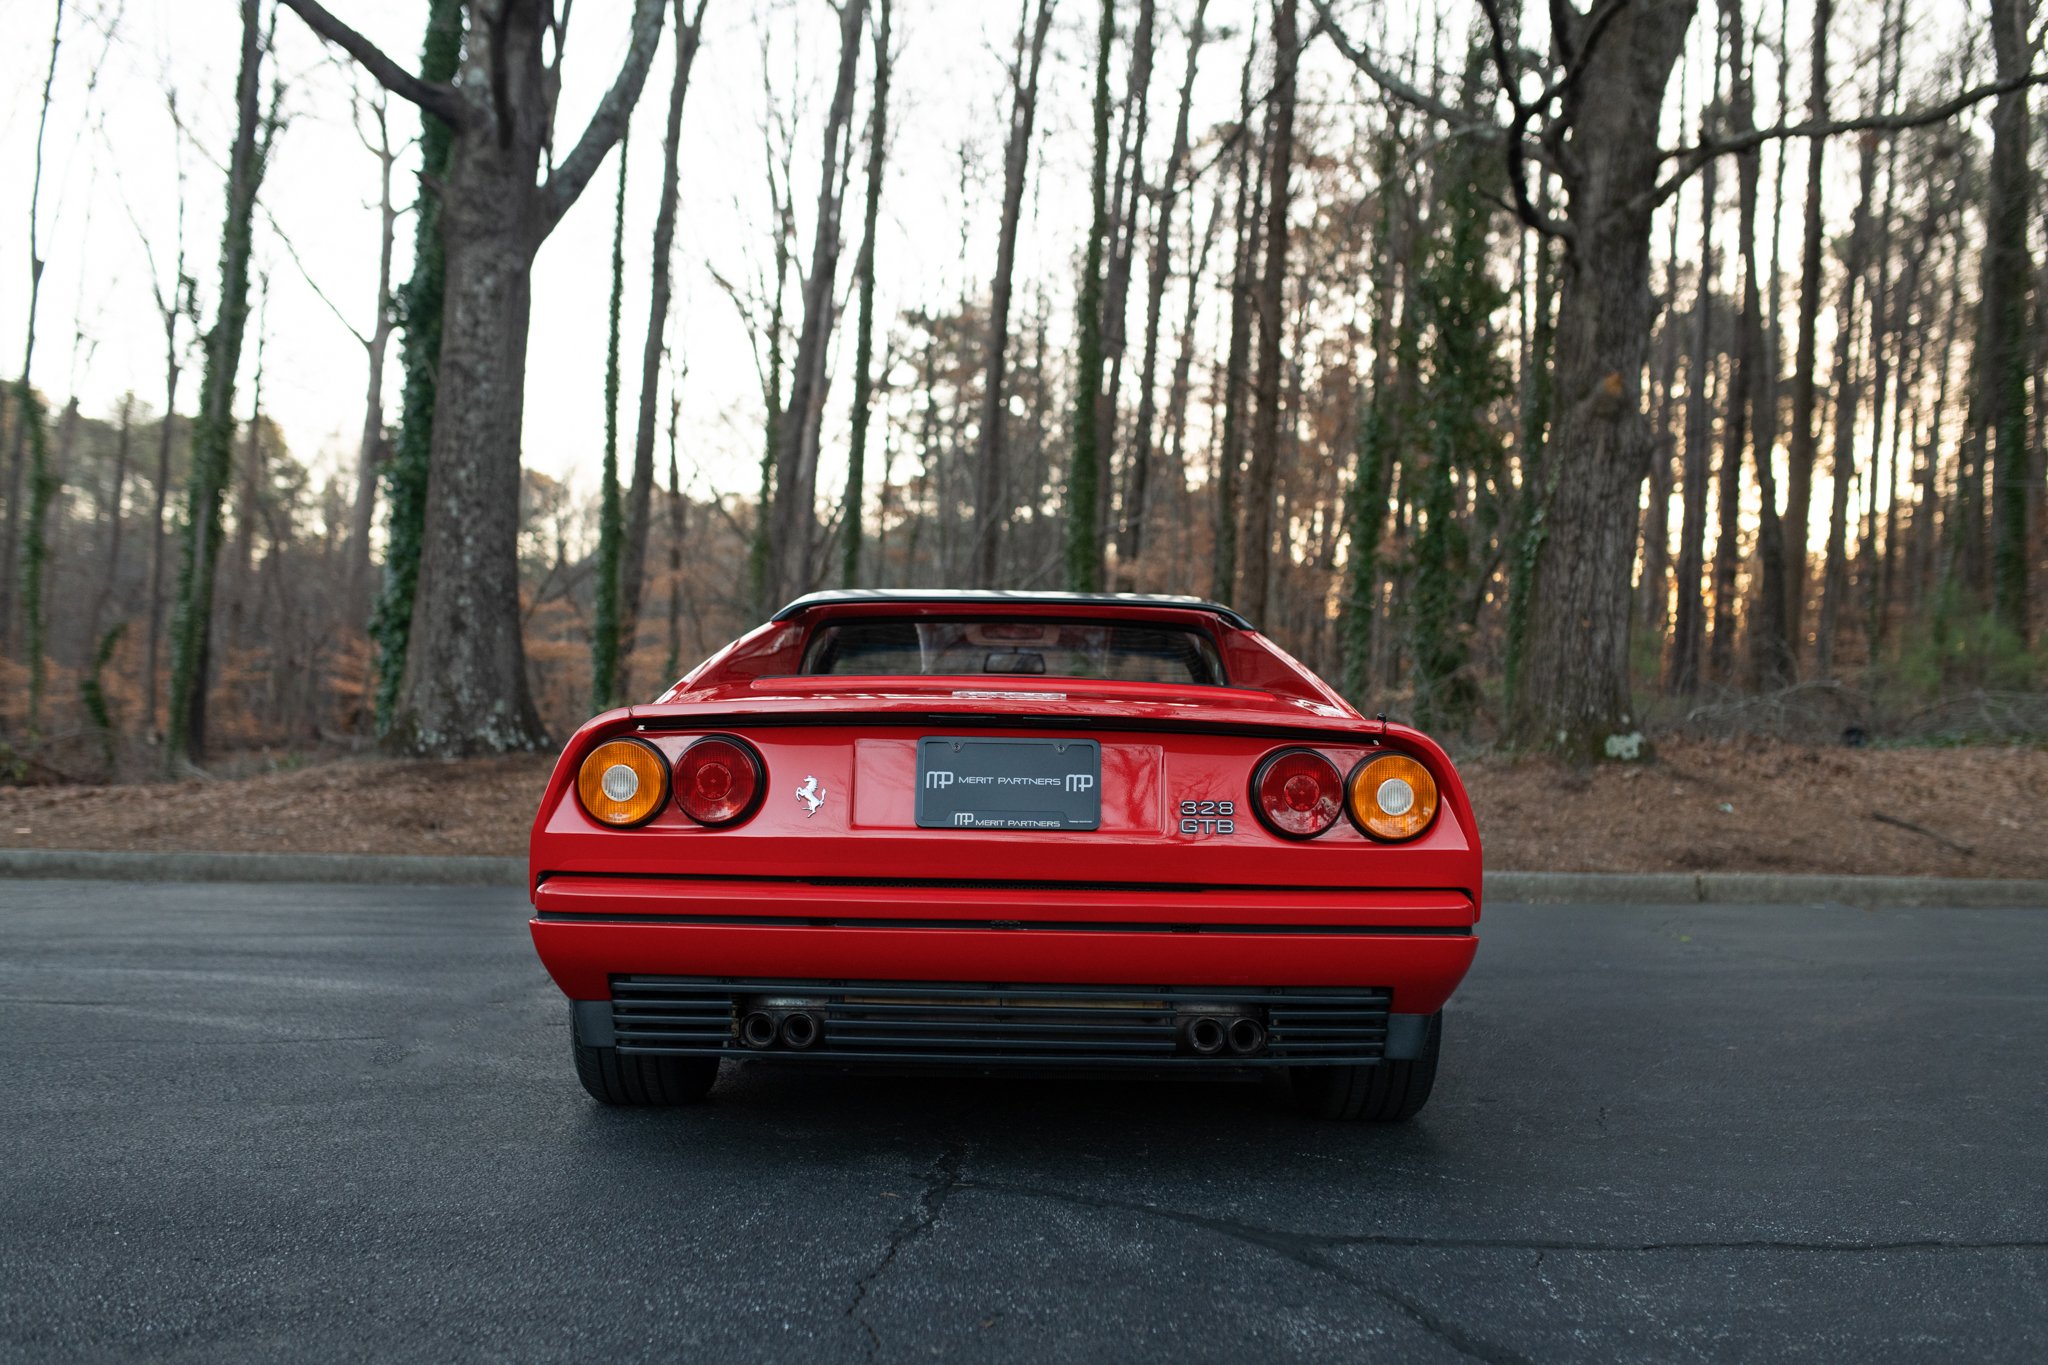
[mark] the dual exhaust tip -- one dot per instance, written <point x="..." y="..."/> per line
<point x="1210" y="1035"/>
<point x="796" y="1030"/>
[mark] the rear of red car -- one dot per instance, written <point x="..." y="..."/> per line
<point x="987" y="830"/>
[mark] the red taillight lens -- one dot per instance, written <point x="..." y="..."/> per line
<point x="1298" y="793"/>
<point x="719" y="780"/>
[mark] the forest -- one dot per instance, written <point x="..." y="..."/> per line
<point x="1552" y="376"/>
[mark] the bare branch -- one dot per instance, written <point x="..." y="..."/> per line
<point x="1692" y="158"/>
<point x="438" y="100"/>
<point x="1513" y="141"/>
<point x="613" y="111"/>
<point x="1383" y="78"/>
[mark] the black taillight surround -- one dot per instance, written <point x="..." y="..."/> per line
<point x="1334" y="784"/>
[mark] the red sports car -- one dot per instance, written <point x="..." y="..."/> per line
<point x="1006" y="829"/>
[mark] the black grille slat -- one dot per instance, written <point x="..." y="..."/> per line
<point x="989" y="1023"/>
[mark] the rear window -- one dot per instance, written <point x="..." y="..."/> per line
<point x="879" y="647"/>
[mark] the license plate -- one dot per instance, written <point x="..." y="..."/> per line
<point x="987" y="783"/>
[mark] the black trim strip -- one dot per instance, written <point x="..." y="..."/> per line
<point x="1002" y="884"/>
<point x="953" y="720"/>
<point x="998" y="925"/>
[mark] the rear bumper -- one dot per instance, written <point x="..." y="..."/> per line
<point x="1415" y="944"/>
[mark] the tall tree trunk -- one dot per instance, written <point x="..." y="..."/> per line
<point x="28" y="420"/>
<point x="1884" y="327"/>
<point x="795" y="515"/>
<point x="1801" y="448"/>
<point x="1256" y="571"/>
<point x="110" y="576"/>
<point x="1655" y="585"/>
<point x="1125" y="202"/>
<point x="1689" y="626"/>
<point x="604" y="628"/>
<point x="1136" y="500"/>
<point x="172" y="369"/>
<point x="1847" y="389"/>
<point x="991" y="497"/>
<point x="465" y="688"/>
<point x="213" y="430"/>
<point x="1735" y="427"/>
<point x="1084" y="542"/>
<point x="419" y="308"/>
<point x="678" y="527"/>
<point x="864" y="336"/>
<point x="1574" y="691"/>
<point x="45" y="481"/>
<point x="640" y="498"/>
<point x="1237" y="362"/>
<point x="761" y="545"/>
<point x="1177" y="391"/>
<point x="1770" y="653"/>
<point x="2008" y="274"/>
<point x="372" y="450"/>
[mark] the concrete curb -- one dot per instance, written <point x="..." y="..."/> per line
<point x="262" y="867"/>
<point x="1608" y="888"/>
<point x="1760" y="888"/>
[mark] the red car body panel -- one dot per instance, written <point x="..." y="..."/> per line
<point x="856" y="890"/>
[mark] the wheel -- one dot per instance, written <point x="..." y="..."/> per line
<point x="612" y="1078"/>
<point x="1389" y="1092"/>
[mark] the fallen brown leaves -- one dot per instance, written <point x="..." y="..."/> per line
<point x="1701" y="806"/>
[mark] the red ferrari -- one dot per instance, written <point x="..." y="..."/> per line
<point x="1006" y="829"/>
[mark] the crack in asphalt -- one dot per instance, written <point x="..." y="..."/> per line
<point x="941" y="1180"/>
<point x="1280" y="1238"/>
<point x="1310" y="1250"/>
<point x="1304" y="1249"/>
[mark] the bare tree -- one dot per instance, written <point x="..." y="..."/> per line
<point x="991" y="497"/>
<point x="639" y="498"/>
<point x="1083" y="557"/>
<point x="213" y="430"/>
<point x="1255" y="572"/>
<point x="2008" y="286"/>
<point x="465" y="688"/>
<point x="1689" y="625"/>
<point x="28" y="419"/>
<point x="376" y="137"/>
<point x="1800" y="449"/>
<point x="864" y="337"/>
<point x="1166" y="196"/>
<point x="794" y="516"/>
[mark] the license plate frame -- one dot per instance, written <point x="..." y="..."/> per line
<point x="1008" y="782"/>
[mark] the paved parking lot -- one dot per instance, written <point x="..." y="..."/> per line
<point x="325" y="1122"/>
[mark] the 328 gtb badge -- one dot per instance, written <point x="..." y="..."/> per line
<point x="1208" y="817"/>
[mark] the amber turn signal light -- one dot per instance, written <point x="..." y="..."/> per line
<point x="1392" y="797"/>
<point x="623" y="782"/>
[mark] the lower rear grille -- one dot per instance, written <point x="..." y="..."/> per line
<point x="994" y="1023"/>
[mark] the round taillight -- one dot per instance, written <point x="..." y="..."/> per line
<point x="719" y="780"/>
<point x="623" y="782"/>
<point x="1393" y="797"/>
<point x="1298" y="793"/>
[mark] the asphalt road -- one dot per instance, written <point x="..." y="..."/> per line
<point x="324" y="1122"/>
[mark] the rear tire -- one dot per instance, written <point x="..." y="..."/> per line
<point x="615" y="1078"/>
<point x="1388" y="1092"/>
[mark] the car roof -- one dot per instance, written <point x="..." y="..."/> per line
<point x="987" y="599"/>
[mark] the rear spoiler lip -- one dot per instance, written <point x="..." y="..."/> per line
<point x="1368" y="731"/>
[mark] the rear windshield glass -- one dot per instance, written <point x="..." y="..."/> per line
<point x="1016" y="648"/>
